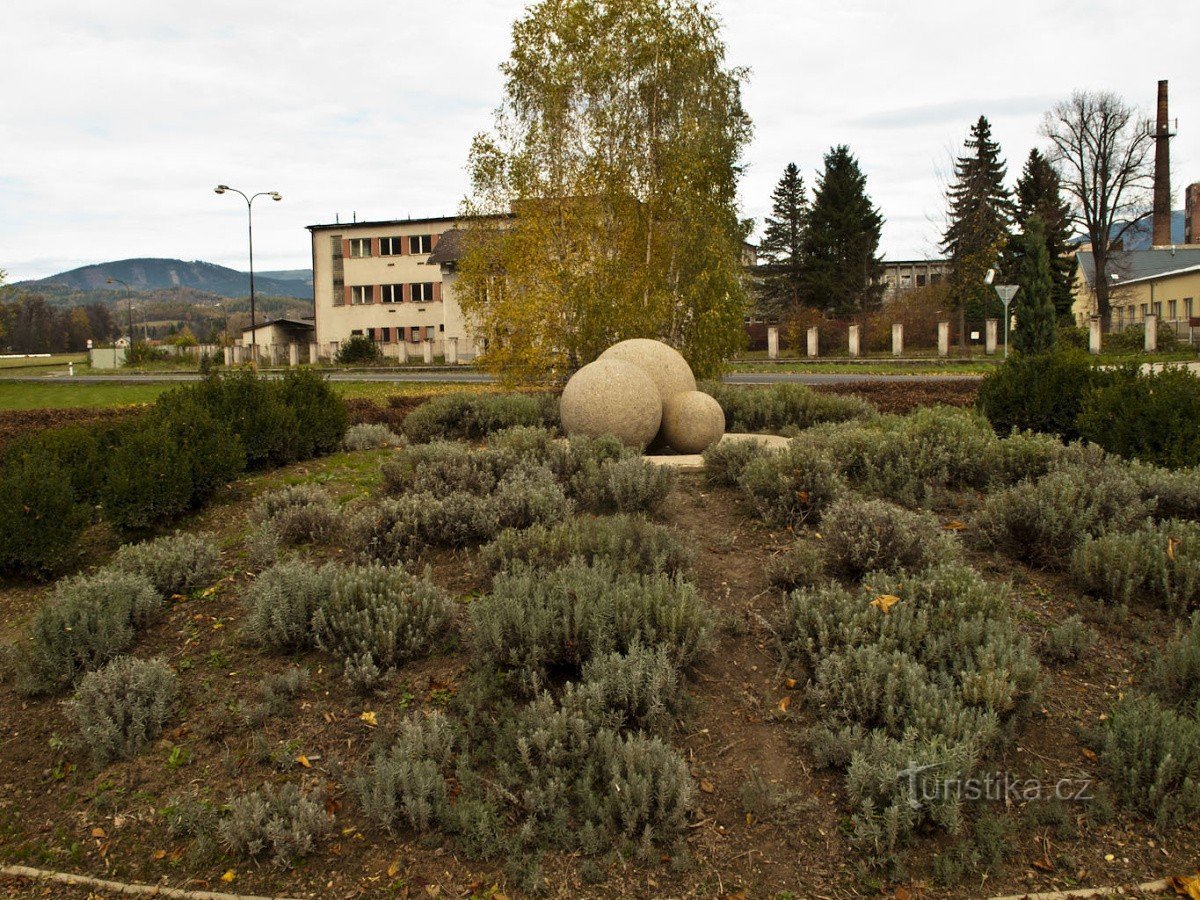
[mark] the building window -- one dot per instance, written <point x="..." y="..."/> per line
<point x="392" y="293"/>
<point x="385" y="335"/>
<point x="441" y="328"/>
<point x="422" y="293"/>
<point x="391" y="246"/>
<point x="356" y="332"/>
<point x="360" y="247"/>
<point x="1172" y="308"/>
<point x="1145" y="309"/>
<point x="429" y="332"/>
<point x="1187" y="305"/>
<point x="360" y="293"/>
<point x="414" y="333"/>
<point x="420" y="243"/>
<point x="920" y="281"/>
<point x="1158" y="308"/>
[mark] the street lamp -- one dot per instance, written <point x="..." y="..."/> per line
<point x="129" y="299"/>
<point x="274" y="195"/>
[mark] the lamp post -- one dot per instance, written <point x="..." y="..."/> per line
<point x="274" y="195"/>
<point x="129" y="297"/>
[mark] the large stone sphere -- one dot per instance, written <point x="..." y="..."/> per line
<point x="612" y="396"/>
<point x="665" y="365"/>
<point x="692" y="421"/>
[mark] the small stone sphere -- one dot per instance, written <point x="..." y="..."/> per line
<point x="612" y="396"/>
<point x="692" y="422"/>
<point x="664" y="364"/>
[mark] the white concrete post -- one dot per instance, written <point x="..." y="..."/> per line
<point x="293" y="354"/>
<point x="1151" y="333"/>
<point x="897" y="339"/>
<point x="943" y="338"/>
<point x="427" y="351"/>
<point x="990" y="327"/>
<point x="854" y="343"/>
<point x="228" y="356"/>
<point x="772" y="342"/>
<point x="312" y="353"/>
<point x="814" y="344"/>
<point x="452" y="351"/>
<point x="1094" y="338"/>
<point x="402" y="350"/>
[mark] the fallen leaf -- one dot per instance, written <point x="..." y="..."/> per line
<point x="885" y="602"/>
<point x="707" y="786"/>
<point x="1089" y="754"/>
<point x="332" y="806"/>
<point x="789" y="682"/>
<point x="229" y="876"/>
<point x="1186" y="885"/>
<point x="803" y="497"/>
<point x="1108" y="857"/>
<point x="784" y="704"/>
<point x="369" y="718"/>
<point x="160" y="854"/>
<point x="98" y="833"/>
<point x="394" y="868"/>
<point x="303" y="760"/>
<point x="1172" y="543"/>
<point x="1044" y="864"/>
<point x="955" y="525"/>
<point x="903" y="894"/>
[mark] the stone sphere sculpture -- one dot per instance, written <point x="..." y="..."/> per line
<point x="692" y="421"/>
<point x="665" y="365"/>
<point x="612" y="396"/>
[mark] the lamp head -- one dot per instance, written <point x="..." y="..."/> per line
<point x="221" y="188"/>
<point x="990" y="276"/>
<point x="275" y="195"/>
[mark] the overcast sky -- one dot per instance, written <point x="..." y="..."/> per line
<point x="118" y="118"/>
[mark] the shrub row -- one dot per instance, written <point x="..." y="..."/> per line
<point x="475" y="416"/>
<point x="1154" y="417"/>
<point x="783" y="407"/>
<point x="145" y="473"/>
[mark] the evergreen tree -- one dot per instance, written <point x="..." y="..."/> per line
<point x="842" y="269"/>
<point x="1038" y="193"/>
<point x="1037" y="319"/>
<point x="981" y="210"/>
<point x="781" y="248"/>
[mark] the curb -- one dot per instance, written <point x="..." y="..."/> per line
<point x="129" y="890"/>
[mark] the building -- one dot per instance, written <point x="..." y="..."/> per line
<point x="275" y="337"/>
<point x="905" y="274"/>
<point x="1191" y="214"/>
<point x="383" y="280"/>
<point x="1162" y="281"/>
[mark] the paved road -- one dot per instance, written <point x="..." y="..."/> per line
<point x="471" y="377"/>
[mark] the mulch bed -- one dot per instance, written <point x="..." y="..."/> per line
<point x="905" y="396"/>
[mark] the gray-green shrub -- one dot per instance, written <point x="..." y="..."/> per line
<point x="629" y="543"/>
<point x="174" y="564"/>
<point x="801" y="565"/>
<point x="638" y="689"/>
<point x="725" y="461"/>
<point x="376" y="618"/>
<point x="792" y="487"/>
<point x="1175" y="493"/>
<point x="862" y="535"/>
<point x="1070" y="640"/>
<point x="284" y="822"/>
<point x="1022" y="456"/>
<point x="369" y="436"/>
<point x="474" y="416"/>
<point x="276" y="692"/>
<point x="1153" y="757"/>
<point x="1043" y="521"/>
<point x="120" y="708"/>
<point x="406" y="782"/>
<point x="1175" y="673"/>
<point x="88" y="620"/>
<point x="299" y="514"/>
<point x="629" y="484"/>
<point x="1160" y="562"/>
<point x="534" y="619"/>
<point x="783" y="406"/>
<point x="281" y="602"/>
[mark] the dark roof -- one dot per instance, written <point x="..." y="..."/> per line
<point x="301" y="324"/>
<point x="1136" y="265"/>
<point x="340" y="225"/>
<point x="450" y="247"/>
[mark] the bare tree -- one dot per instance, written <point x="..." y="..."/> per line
<point x="1101" y="148"/>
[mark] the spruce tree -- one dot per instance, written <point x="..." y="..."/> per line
<point x="981" y="211"/>
<point x="782" y="269"/>
<point x="1037" y="319"/>
<point x="1038" y="193"/>
<point x="842" y="269"/>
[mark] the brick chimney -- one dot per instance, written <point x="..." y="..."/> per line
<point x="1162" y="172"/>
<point x="1191" y="214"/>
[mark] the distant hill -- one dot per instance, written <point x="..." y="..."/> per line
<point x="1139" y="236"/>
<point x="159" y="274"/>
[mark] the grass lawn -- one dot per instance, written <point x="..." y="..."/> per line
<point x="41" y="365"/>
<point x="870" y="367"/>
<point x="63" y="395"/>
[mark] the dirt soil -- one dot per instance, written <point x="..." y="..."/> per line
<point x="905" y="396"/>
<point x="744" y="720"/>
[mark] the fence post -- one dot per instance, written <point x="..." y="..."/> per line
<point x="1151" y="333"/>
<point x="990" y="328"/>
<point x="772" y="342"/>
<point x="853" y="340"/>
<point x="814" y="344"/>
<point x="897" y="339"/>
<point x="943" y="338"/>
<point x="1094" y="335"/>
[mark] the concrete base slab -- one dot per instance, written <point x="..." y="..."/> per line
<point x="694" y="461"/>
